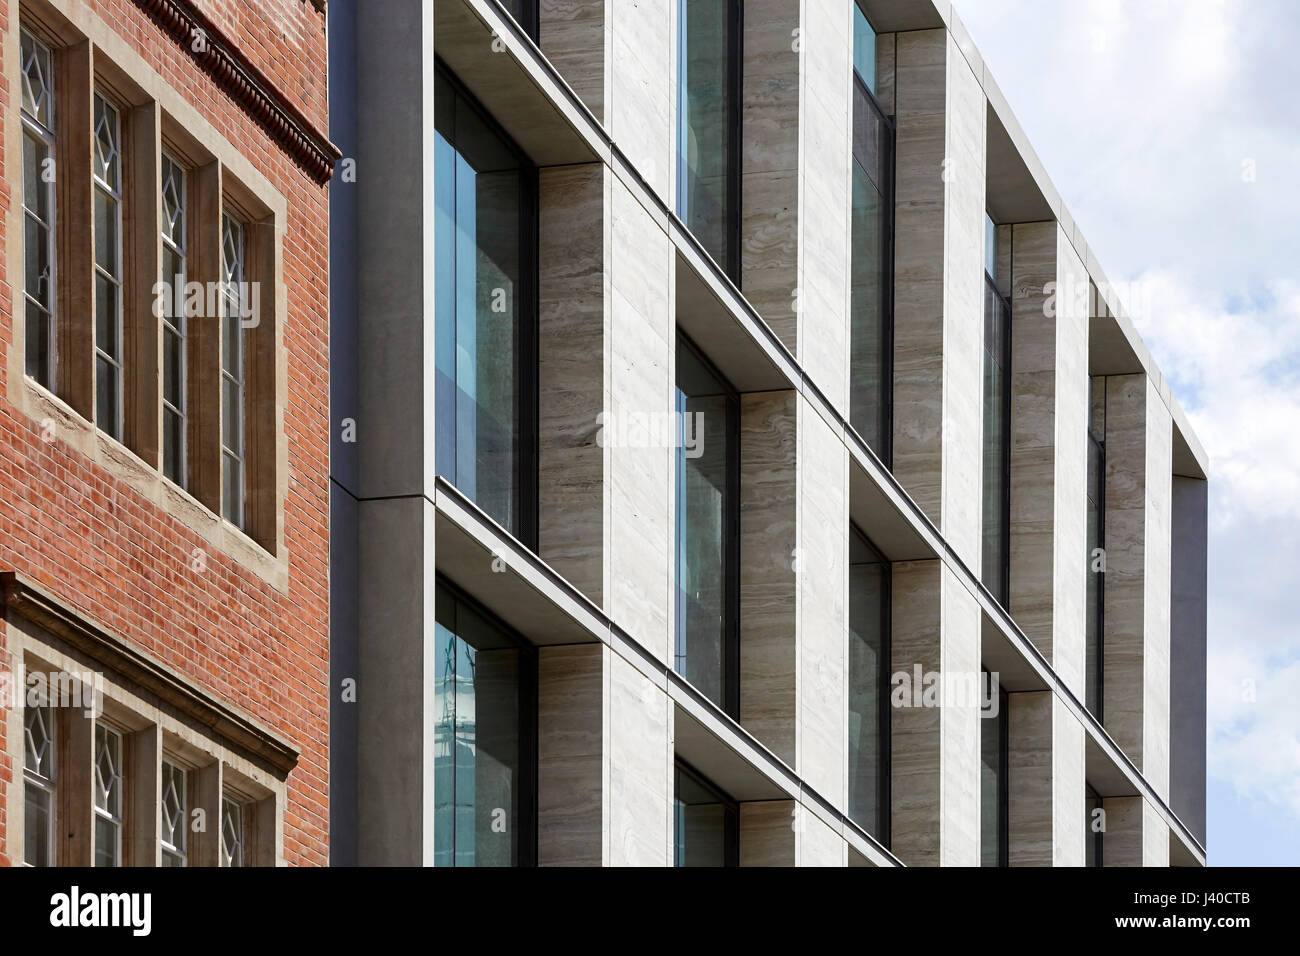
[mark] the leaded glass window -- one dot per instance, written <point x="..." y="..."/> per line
<point x="171" y="827"/>
<point x="232" y="832"/>
<point x="39" y="762"/>
<point x="173" y="319"/>
<point x="107" y="170"/>
<point x="108" y="796"/>
<point x="37" y="82"/>
<point x="232" y="370"/>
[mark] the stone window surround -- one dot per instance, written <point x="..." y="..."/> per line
<point x="152" y="730"/>
<point x="158" y="116"/>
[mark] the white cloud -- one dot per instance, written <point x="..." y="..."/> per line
<point x="1148" y="116"/>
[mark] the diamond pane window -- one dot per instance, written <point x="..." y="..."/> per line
<point x="38" y="786"/>
<point x="171" y="827"/>
<point x="232" y="371"/>
<point x="107" y="216"/>
<point x="108" y="796"/>
<point x="38" y="208"/>
<point x="232" y="832"/>
<point x="174" y="331"/>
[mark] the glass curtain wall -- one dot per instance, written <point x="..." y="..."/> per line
<point x="484" y="739"/>
<point x="997" y="427"/>
<point x="869" y="595"/>
<point x="993" y="785"/>
<point x="708" y="126"/>
<point x="708" y="520"/>
<point x="485" y="312"/>
<point x="871" y="307"/>
<point x="1096" y="543"/>
<point x="706" y="822"/>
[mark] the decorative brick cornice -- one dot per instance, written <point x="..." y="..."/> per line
<point x="124" y="660"/>
<point x="246" y="85"/>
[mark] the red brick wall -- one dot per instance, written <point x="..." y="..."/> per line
<point x="105" y="550"/>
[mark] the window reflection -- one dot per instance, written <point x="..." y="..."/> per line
<point x="997" y="427"/>
<point x="484" y="314"/>
<point x="871" y="346"/>
<point x="482" y="737"/>
<point x="707" y="528"/>
<point x="708" y="113"/>
<point x="705" y="822"/>
<point x="869" y="576"/>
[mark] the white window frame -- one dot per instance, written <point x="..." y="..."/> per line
<point x="174" y="239"/>
<point x="44" y="134"/>
<point x="32" y="777"/>
<point x="239" y="854"/>
<point x="115" y="279"/>
<point x="113" y="813"/>
<point x="233" y="272"/>
<point x="177" y="777"/>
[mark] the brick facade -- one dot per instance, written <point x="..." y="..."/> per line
<point x="105" y="551"/>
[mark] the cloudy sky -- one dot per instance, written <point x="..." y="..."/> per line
<point x="1171" y="129"/>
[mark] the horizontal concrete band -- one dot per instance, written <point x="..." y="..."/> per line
<point x="783" y="371"/>
<point x="474" y="539"/>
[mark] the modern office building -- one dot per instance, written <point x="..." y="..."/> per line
<point x="739" y="456"/>
<point x="164" y="501"/>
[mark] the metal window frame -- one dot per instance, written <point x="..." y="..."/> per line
<point x="730" y="813"/>
<point x="527" y="399"/>
<point x="1097" y="837"/>
<point x="886" y="397"/>
<point x="1001" y="589"/>
<point x="730" y="536"/>
<point x="528" y="718"/>
<point x="885" y="715"/>
<point x="733" y="124"/>
<point x="1100" y="609"/>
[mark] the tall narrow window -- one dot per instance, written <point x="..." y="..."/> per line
<point x="994" y="790"/>
<point x="706" y="822"/>
<point x="108" y="796"/>
<point x="38" y="207"/>
<point x="869" y="592"/>
<point x="108" y="267"/>
<point x="173" y="320"/>
<point x="708" y="538"/>
<point x="232" y="832"/>
<point x="997" y="429"/>
<point x="485" y="311"/>
<point x="1095" y="826"/>
<point x="871" y="306"/>
<point x="40" y="760"/>
<point x="708" y="126"/>
<point x="1096" y="545"/>
<point x="484" y="739"/>
<point x="234" y="296"/>
<point x="174" y="822"/>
